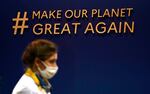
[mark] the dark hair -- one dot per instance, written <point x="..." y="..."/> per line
<point x="39" y="48"/>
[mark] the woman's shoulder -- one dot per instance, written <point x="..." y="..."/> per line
<point x="25" y="83"/>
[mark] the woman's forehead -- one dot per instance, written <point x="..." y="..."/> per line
<point x="53" y="56"/>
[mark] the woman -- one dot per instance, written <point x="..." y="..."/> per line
<point x="39" y="59"/>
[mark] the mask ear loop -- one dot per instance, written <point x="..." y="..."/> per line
<point x="40" y="70"/>
<point x="44" y="63"/>
<point x="39" y="67"/>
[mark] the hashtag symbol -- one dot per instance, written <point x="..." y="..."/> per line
<point x="22" y="25"/>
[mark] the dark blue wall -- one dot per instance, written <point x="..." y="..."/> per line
<point x="89" y="64"/>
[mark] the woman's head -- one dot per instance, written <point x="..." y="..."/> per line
<point x="41" y="49"/>
<point x="39" y="55"/>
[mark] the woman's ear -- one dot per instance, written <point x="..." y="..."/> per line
<point x="36" y="64"/>
<point x="37" y="61"/>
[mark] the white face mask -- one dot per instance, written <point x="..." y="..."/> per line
<point x="48" y="72"/>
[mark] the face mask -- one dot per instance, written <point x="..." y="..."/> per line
<point x="48" y="72"/>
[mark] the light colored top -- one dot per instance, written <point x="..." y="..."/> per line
<point x="27" y="85"/>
